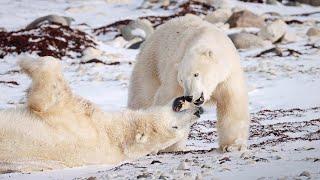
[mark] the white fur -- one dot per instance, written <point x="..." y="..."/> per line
<point x="165" y="69"/>
<point x="57" y="129"/>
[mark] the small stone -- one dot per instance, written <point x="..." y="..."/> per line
<point x="206" y="166"/>
<point x="245" y="155"/>
<point x="245" y="18"/>
<point x="248" y="41"/>
<point x="310" y="2"/>
<point x="261" y="178"/>
<point x="305" y="173"/>
<point x="141" y="28"/>
<point x="122" y="77"/>
<point x="164" y="176"/>
<point x="91" y="53"/>
<point x="314" y="31"/>
<point x="272" y="2"/>
<point x="80" y="9"/>
<point x="199" y="177"/>
<point x="277" y="157"/>
<point x="273" y="31"/>
<point x="283" y="178"/>
<point x="118" y="42"/>
<point x="289" y="36"/>
<point x="218" y="4"/>
<point x="63" y="20"/>
<point x="292" y="3"/>
<point x="220" y="15"/>
<point x="92" y="178"/>
<point x="182" y="166"/>
<point x="144" y="175"/>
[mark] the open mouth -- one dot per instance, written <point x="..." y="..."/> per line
<point x="199" y="101"/>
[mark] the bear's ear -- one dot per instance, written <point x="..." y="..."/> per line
<point x="208" y="53"/>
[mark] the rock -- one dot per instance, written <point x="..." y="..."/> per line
<point x="118" y="1"/>
<point x="147" y="4"/>
<point x="165" y="176"/>
<point x="314" y="31"/>
<point x="222" y="26"/>
<point x="118" y="42"/>
<point x="139" y="28"/>
<point x="91" y="53"/>
<point x="276" y="157"/>
<point x="80" y="9"/>
<point x="237" y="9"/>
<point x="272" y="2"/>
<point x="245" y="155"/>
<point x="245" y="40"/>
<point x="306" y="174"/>
<point x="290" y="36"/>
<point x="144" y="176"/>
<point x="283" y="178"/>
<point x="63" y="20"/>
<point x="135" y="45"/>
<point x="292" y="3"/>
<point x="219" y="4"/>
<point x="121" y="77"/>
<point x="220" y="15"/>
<point x="206" y="166"/>
<point x="198" y="177"/>
<point x="91" y="178"/>
<point x="273" y="31"/>
<point x="245" y="18"/>
<point x="182" y="166"/>
<point x="310" y="2"/>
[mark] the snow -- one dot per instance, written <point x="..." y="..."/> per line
<point x="281" y="85"/>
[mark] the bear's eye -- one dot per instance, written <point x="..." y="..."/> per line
<point x="196" y="74"/>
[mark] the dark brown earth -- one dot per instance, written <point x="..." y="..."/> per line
<point x="47" y="40"/>
<point x="190" y="7"/>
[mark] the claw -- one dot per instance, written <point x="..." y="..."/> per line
<point x="178" y="103"/>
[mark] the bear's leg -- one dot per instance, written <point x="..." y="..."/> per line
<point x="49" y="89"/>
<point x="232" y="113"/>
<point x="143" y="87"/>
<point x="166" y="93"/>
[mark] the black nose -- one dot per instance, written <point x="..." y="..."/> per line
<point x="188" y="98"/>
<point x="199" y="101"/>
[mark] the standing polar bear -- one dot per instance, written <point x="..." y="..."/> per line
<point x="57" y="129"/>
<point x="188" y="56"/>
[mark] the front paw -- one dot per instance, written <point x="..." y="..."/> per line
<point x="233" y="147"/>
<point x="180" y="102"/>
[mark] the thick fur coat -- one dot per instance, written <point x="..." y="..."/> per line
<point x="58" y="129"/>
<point x="191" y="57"/>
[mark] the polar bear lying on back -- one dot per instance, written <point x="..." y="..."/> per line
<point x="58" y="129"/>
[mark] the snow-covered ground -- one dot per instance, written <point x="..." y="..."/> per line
<point x="284" y="99"/>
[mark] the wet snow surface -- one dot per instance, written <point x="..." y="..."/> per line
<point x="284" y="138"/>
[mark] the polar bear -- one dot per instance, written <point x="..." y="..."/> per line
<point x="191" y="57"/>
<point x="58" y="129"/>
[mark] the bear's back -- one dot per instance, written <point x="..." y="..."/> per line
<point x="168" y="44"/>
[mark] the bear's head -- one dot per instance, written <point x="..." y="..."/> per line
<point x="200" y="71"/>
